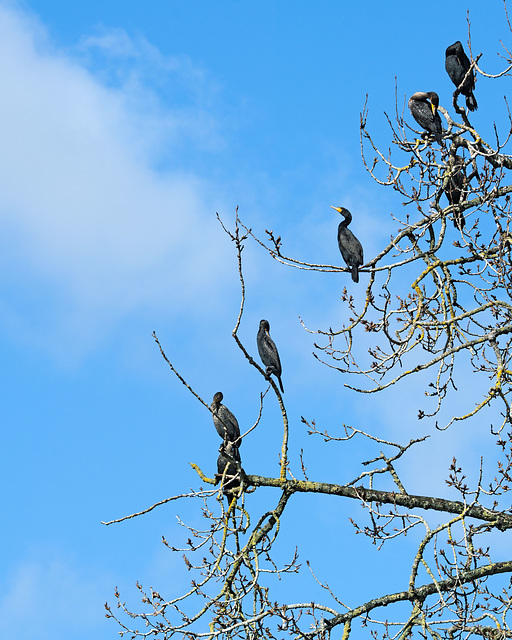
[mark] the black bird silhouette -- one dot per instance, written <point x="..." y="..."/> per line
<point x="455" y="189"/>
<point x="350" y="247"/>
<point x="457" y="65"/>
<point x="423" y="107"/>
<point x="268" y="352"/>
<point x="229" y="467"/>
<point x="224" y="421"/>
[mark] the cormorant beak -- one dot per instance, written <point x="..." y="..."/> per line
<point x="434" y="108"/>
<point x="338" y="209"/>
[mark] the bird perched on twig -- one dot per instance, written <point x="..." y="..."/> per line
<point x="423" y="107"/>
<point x="455" y="189"/>
<point x="457" y="65"/>
<point x="229" y="467"/>
<point x="350" y="247"/>
<point x="268" y="352"/>
<point x="225" y="422"/>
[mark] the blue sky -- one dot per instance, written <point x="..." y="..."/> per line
<point x="125" y="126"/>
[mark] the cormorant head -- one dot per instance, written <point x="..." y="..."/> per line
<point x="454" y="49"/>
<point x="344" y="212"/>
<point x="265" y="326"/>
<point x="434" y="101"/>
<point x="217" y="398"/>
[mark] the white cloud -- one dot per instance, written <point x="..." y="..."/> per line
<point x="85" y="218"/>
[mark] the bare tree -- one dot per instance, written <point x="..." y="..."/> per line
<point x="438" y="297"/>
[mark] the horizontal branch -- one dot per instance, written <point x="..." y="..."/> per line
<point x="498" y="519"/>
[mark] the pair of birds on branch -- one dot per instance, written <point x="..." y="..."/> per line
<point x="229" y="463"/>
<point x="424" y="105"/>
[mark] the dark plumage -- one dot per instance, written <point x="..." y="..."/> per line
<point x="228" y="465"/>
<point x="423" y="107"/>
<point x="457" y="65"/>
<point x="268" y="352"/>
<point x="455" y="189"/>
<point x="350" y="247"/>
<point x="224" y="421"/>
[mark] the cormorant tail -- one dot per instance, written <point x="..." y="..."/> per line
<point x="459" y="220"/>
<point x="355" y="273"/>
<point x="471" y="102"/>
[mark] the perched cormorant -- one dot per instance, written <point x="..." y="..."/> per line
<point x="455" y="189"/>
<point x="457" y="65"/>
<point x="228" y="465"/>
<point x="350" y="247"/>
<point x="224" y="421"/>
<point x="423" y="107"/>
<point x="268" y="352"/>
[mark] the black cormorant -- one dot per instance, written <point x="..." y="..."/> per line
<point x="268" y="352"/>
<point x="350" y="247"/>
<point x="224" y="421"/>
<point x="423" y="107"/>
<point x="455" y="189"/>
<point x="457" y="65"/>
<point x="228" y="465"/>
